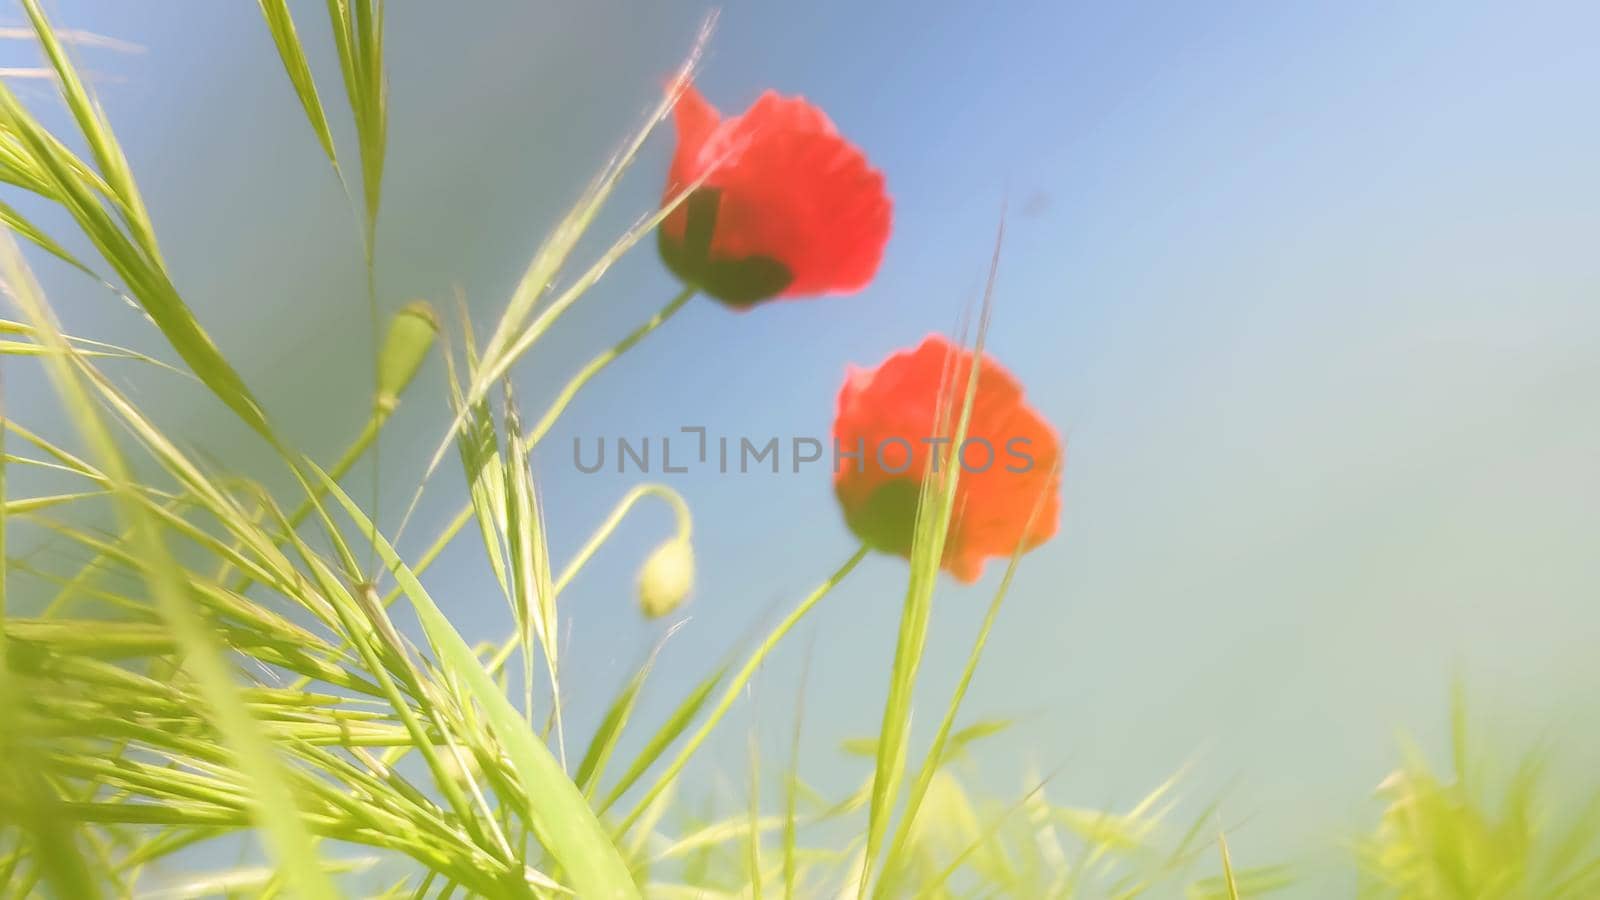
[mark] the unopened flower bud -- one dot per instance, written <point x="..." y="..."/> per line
<point x="411" y="336"/>
<point x="666" y="578"/>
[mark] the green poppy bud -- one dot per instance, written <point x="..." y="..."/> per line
<point x="666" y="578"/>
<point x="411" y="336"/>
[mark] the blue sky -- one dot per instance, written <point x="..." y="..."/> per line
<point x="1311" y="289"/>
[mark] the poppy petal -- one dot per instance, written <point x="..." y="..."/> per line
<point x="787" y="207"/>
<point x="1007" y="493"/>
<point x="809" y="200"/>
<point x="774" y="112"/>
<point x="695" y="120"/>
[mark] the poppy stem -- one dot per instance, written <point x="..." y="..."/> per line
<point x="604" y="359"/>
<point x="736" y="687"/>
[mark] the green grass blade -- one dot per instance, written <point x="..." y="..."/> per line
<point x="980" y="841"/>
<point x="354" y="627"/>
<point x="273" y="803"/>
<point x="497" y="365"/>
<point x="28" y="802"/>
<point x="89" y="349"/>
<point x="478" y="446"/>
<point x="609" y="732"/>
<point x="372" y="113"/>
<point x="1227" y="868"/>
<point x="24" y="228"/>
<point x="533" y="589"/>
<point x="1257" y="881"/>
<point x="791" y="789"/>
<point x="136" y="265"/>
<point x="358" y="36"/>
<point x="552" y="255"/>
<point x="669" y="732"/>
<point x="35" y="504"/>
<point x="753" y="809"/>
<point x="935" y="511"/>
<point x="731" y="832"/>
<point x="287" y="39"/>
<point x="5" y="515"/>
<point x="943" y="737"/>
<point x="557" y="812"/>
<point x="97" y="131"/>
<point x="591" y="768"/>
<point x="736" y="686"/>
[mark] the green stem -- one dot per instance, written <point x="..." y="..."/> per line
<point x="375" y="327"/>
<point x="604" y="359"/>
<point x="736" y="687"/>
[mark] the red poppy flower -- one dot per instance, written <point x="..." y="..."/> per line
<point x="787" y="208"/>
<point x="1008" y="490"/>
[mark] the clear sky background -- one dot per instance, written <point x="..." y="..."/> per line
<point x="1312" y="289"/>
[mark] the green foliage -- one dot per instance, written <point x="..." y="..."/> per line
<point x="268" y="798"/>
<point x="1449" y="838"/>
<point x="281" y="25"/>
<point x="106" y="205"/>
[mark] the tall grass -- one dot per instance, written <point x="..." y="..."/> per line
<point x="225" y="666"/>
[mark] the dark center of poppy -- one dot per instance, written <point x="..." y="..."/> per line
<point x="887" y="521"/>
<point x="739" y="283"/>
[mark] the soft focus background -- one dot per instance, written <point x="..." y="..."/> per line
<point x="1312" y="293"/>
